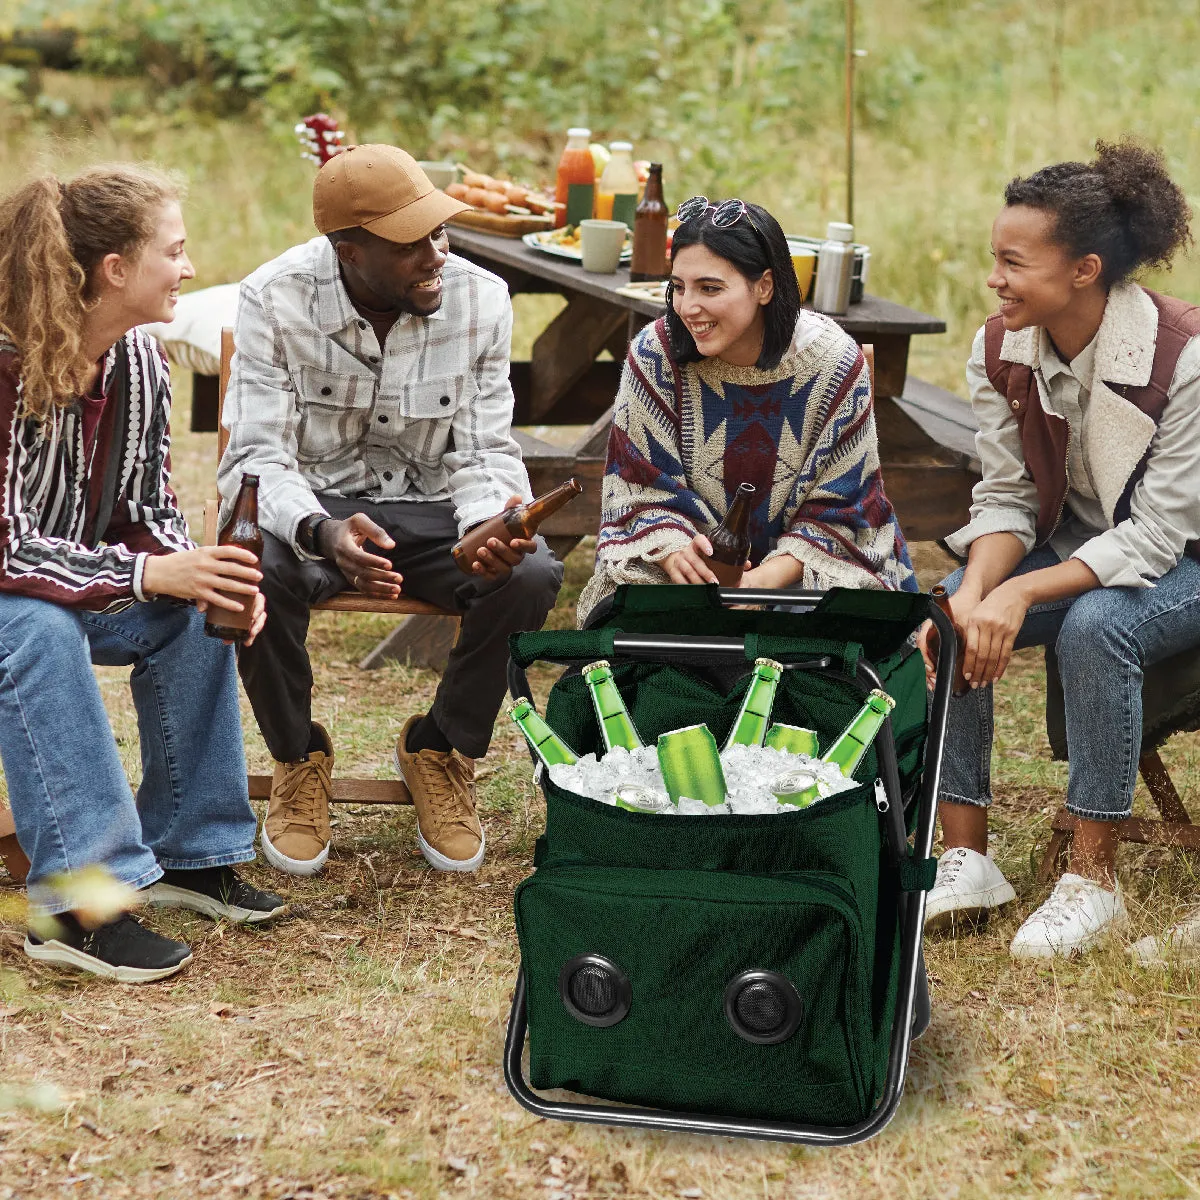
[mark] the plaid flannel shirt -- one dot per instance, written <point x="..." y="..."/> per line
<point x="314" y="405"/>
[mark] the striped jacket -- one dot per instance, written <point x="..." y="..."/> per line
<point x="77" y="532"/>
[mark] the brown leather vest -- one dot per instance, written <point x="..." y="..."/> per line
<point x="1044" y="436"/>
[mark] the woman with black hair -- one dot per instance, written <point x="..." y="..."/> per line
<point x="1082" y="533"/>
<point x="736" y="384"/>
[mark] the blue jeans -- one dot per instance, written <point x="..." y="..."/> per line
<point x="70" y="799"/>
<point x="1104" y="639"/>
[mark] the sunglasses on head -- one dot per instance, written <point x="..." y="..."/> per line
<point x="728" y="212"/>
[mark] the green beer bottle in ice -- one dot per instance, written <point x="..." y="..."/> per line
<point x="751" y="725"/>
<point x="547" y="745"/>
<point x="616" y="726"/>
<point x="847" y="752"/>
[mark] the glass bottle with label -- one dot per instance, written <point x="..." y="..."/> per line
<point x="575" y="182"/>
<point x="617" y="187"/>
<point x="546" y="744"/>
<point x="650" y="232"/>
<point x="751" y="725"/>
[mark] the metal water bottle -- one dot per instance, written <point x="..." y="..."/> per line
<point x="835" y="269"/>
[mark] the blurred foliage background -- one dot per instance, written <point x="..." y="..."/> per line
<point x="735" y="97"/>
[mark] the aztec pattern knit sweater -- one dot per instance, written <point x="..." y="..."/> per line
<point x="685" y="435"/>
<point x="76" y="531"/>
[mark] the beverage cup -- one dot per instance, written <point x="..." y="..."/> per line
<point x="602" y="243"/>
<point x="798" y="788"/>
<point x="792" y="738"/>
<point x="691" y="765"/>
<point x="804" y="259"/>
<point x="441" y="174"/>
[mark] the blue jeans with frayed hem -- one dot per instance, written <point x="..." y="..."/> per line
<point x="70" y="800"/>
<point x="1104" y="639"/>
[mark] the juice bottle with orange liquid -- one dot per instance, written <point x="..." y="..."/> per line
<point x="617" y="189"/>
<point x="575" y="184"/>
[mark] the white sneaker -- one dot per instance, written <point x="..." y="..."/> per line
<point x="1074" y="918"/>
<point x="1182" y="940"/>
<point x="968" y="884"/>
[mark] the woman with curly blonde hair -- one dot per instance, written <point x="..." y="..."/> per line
<point x="96" y="566"/>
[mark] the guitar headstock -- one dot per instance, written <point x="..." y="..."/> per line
<point x="320" y="138"/>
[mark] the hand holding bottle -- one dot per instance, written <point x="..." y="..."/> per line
<point x="208" y="575"/>
<point x="497" y="557"/>
<point x="690" y="565"/>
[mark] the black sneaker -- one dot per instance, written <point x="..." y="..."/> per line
<point x="124" y="950"/>
<point x="216" y="892"/>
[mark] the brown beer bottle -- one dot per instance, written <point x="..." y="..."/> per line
<point x="941" y="598"/>
<point x="649" y="259"/>
<point x="731" y="539"/>
<point x="242" y="530"/>
<point x="519" y="522"/>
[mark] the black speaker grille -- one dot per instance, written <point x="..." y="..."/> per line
<point x="594" y="990"/>
<point x="761" y="1007"/>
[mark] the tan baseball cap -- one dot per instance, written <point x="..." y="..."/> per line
<point x="380" y="189"/>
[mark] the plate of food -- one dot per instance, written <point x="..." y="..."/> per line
<point x="501" y="206"/>
<point x="564" y="243"/>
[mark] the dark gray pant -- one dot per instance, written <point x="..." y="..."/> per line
<point x="276" y="672"/>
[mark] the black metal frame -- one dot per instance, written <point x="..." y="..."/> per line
<point x="912" y="1005"/>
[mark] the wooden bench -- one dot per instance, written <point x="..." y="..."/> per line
<point x="1168" y="688"/>
<point x="345" y="791"/>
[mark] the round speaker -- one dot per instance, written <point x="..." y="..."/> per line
<point x="595" y="990"/>
<point x="763" y="1007"/>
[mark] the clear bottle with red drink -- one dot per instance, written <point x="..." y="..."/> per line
<point x="575" y="181"/>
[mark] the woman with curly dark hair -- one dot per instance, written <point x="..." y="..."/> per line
<point x="1083" y="529"/>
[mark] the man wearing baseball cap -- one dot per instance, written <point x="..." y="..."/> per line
<point x="369" y="393"/>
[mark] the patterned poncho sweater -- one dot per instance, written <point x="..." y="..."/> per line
<point x="685" y="435"/>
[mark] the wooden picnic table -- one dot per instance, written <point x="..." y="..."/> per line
<point x="564" y="383"/>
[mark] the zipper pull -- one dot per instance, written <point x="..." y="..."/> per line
<point x="882" y="803"/>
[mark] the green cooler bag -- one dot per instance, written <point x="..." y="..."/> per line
<point x="726" y="964"/>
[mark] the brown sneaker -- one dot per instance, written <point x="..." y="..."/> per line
<point x="296" y="833"/>
<point x="443" y="792"/>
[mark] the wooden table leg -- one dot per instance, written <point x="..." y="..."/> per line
<point x="418" y="641"/>
<point x="566" y="349"/>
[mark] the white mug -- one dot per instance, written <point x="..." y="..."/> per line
<point x="602" y="243"/>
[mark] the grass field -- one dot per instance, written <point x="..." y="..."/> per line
<point x="354" y="1050"/>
